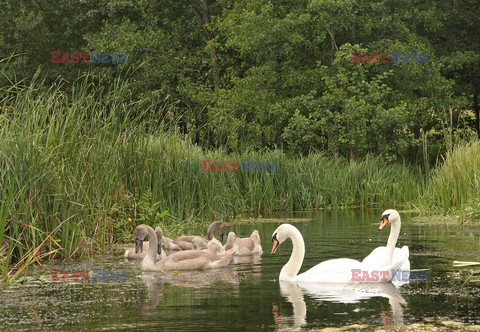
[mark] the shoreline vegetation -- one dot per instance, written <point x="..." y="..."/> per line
<point x="79" y="170"/>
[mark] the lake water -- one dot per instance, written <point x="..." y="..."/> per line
<point x="248" y="297"/>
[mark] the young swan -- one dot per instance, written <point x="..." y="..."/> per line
<point x="213" y="244"/>
<point x="131" y="254"/>
<point x="246" y="246"/>
<point x="198" y="244"/>
<point x="185" y="242"/>
<point x="382" y="256"/>
<point x="331" y="271"/>
<point x="167" y="242"/>
<point x="185" y="260"/>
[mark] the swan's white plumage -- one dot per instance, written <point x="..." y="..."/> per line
<point x="340" y="270"/>
<point x="333" y="271"/>
<point x="398" y="254"/>
<point x="380" y="256"/>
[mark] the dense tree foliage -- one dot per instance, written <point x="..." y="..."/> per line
<point x="257" y="74"/>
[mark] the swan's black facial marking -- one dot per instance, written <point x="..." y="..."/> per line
<point x="383" y="221"/>
<point x="159" y="249"/>
<point x="275" y="243"/>
<point x="274" y="237"/>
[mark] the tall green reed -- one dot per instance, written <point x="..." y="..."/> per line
<point x="455" y="185"/>
<point x="74" y="167"/>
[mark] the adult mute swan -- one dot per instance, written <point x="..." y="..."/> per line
<point x="334" y="270"/>
<point x="185" y="260"/>
<point x="246" y="246"/>
<point x="383" y="256"/>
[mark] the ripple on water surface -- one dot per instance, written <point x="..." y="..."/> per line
<point x="247" y="295"/>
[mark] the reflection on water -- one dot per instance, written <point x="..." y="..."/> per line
<point x="198" y="279"/>
<point x="247" y="295"/>
<point x="155" y="282"/>
<point x="254" y="260"/>
<point x="339" y="293"/>
<point x="355" y="292"/>
<point x="294" y="295"/>
<point x="155" y="292"/>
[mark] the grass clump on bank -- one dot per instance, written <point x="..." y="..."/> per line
<point x="80" y="170"/>
<point x="455" y="185"/>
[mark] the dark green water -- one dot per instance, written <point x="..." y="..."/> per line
<point x="248" y="297"/>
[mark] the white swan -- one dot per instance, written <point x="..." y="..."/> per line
<point x="185" y="260"/>
<point x="246" y="246"/>
<point x="383" y="256"/>
<point x="334" y="270"/>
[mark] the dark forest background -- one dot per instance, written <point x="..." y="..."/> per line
<point x="243" y="75"/>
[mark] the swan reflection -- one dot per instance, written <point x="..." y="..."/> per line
<point x="157" y="282"/>
<point x="200" y="279"/>
<point x="254" y="260"/>
<point x="155" y="293"/>
<point x="248" y="267"/>
<point x="292" y="292"/>
<point x="338" y="293"/>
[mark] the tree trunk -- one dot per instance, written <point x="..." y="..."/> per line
<point x="333" y="44"/>
<point x="413" y="149"/>
<point x="476" y="108"/>
<point x="213" y="50"/>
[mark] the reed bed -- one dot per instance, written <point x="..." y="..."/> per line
<point x="455" y="186"/>
<point x="80" y="170"/>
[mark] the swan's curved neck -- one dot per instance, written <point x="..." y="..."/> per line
<point x="210" y="232"/>
<point x="152" y="244"/>
<point x="230" y="241"/>
<point x="393" y="237"/>
<point x="290" y="270"/>
<point x="211" y="229"/>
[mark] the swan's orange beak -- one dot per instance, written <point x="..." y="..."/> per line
<point x="383" y="223"/>
<point x="275" y="245"/>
